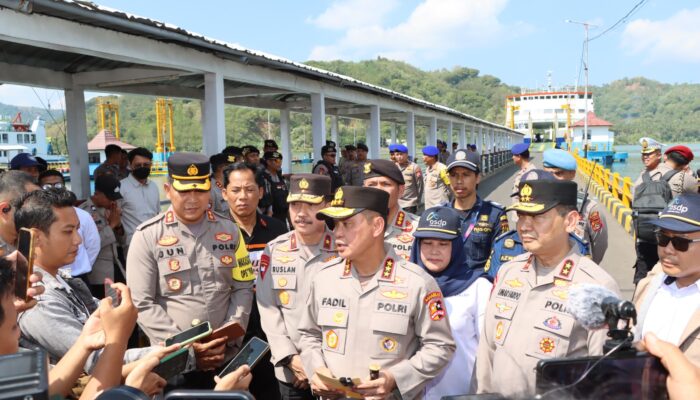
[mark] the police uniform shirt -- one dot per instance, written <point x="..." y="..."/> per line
<point x="103" y="267"/>
<point x="280" y="292"/>
<point x="683" y="182"/>
<point x="526" y="321"/>
<point x="593" y="228"/>
<point x="480" y="227"/>
<point x="399" y="233"/>
<point x="177" y="277"/>
<point x="413" y="178"/>
<point x="518" y="176"/>
<point x="218" y="204"/>
<point x="397" y="320"/>
<point x="437" y="189"/>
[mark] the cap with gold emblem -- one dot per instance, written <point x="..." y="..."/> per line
<point x="189" y="171"/>
<point x="649" y="145"/>
<point x="465" y="159"/>
<point x="351" y="200"/>
<point x="309" y="188"/>
<point x="541" y="195"/>
<point x="387" y="168"/>
<point x="221" y="159"/>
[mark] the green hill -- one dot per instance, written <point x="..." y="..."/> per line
<point x="637" y="107"/>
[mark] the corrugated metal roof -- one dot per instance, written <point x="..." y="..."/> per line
<point x="96" y="15"/>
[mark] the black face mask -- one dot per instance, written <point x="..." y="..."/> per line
<point x="141" y="173"/>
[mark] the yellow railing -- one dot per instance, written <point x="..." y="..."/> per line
<point x="618" y="187"/>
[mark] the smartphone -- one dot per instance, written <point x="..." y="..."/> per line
<point x="250" y="355"/>
<point x="190" y="335"/>
<point x="24" y="266"/>
<point x="636" y="375"/>
<point x="173" y="364"/>
<point x="232" y="330"/>
<point x="114" y="294"/>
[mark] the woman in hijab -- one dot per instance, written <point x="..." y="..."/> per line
<point x="438" y="249"/>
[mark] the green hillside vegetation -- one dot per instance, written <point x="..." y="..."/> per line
<point x="636" y="106"/>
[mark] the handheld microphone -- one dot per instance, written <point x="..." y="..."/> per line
<point x="594" y="305"/>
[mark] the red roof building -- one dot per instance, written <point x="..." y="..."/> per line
<point x="105" y="137"/>
<point x="592" y="121"/>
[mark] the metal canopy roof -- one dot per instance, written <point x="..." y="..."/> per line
<point x="190" y="84"/>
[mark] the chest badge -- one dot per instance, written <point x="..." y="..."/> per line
<point x="394" y="294"/>
<point x="174" y="265"/>
<point x="282" y="282"/>
<point x="284" y="297"/>
<point x="227" y="260"/>
<point x="338" y="317"/>
<point x="223" y="237"/>
<point x="514" y="283"/>
<point x="284" y="259"/>
<point x="389" y="344"/>
<point x="509" y="243"/>
<point x="547" y="345"/>
<point x="168" y="240"/>
<point x="499" y="330"/>
<point x="552" y="323"/>
<point x="332" y="339"/>
<point x="405" y="238"/>
<point x="503" y="307"/>
<point x="174" y="284"/>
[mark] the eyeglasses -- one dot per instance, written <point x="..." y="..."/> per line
<point x="679" y="243"/>
<point x="47" y="186"/>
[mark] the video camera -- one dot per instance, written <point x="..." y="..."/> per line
<point x="24" y="375"/>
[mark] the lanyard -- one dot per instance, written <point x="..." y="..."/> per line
<point x="471" y="225"/>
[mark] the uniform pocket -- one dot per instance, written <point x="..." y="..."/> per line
<point x="175" y="276"/>
<point x="550" y="338"/>
<point x="333" y="323"/>
<point x="285" y="289"/>
<point x="389" y="332"/>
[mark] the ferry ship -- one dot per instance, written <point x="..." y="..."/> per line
<point x="17" y="137"/>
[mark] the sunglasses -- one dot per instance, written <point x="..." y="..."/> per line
<point x="679" y="243"/>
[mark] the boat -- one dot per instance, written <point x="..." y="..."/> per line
<point x="17" y="136"/>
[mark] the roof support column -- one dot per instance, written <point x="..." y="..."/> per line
<point x="480" y="140"/>
<point x="77" y="141"/>
<point x="432" y="135"/>
<point x="393" y="133"/>
<point x="411" y="134"/>
<point x="286" y="142"/>
<point x="450" y="138"/>
<point x="373" y="141"/>
<point x="334" y="129"/>
<point x="213" y="123"/>
<point x="462" y="136"/>
<point x="472" y="137"/>
<point x="318" y="123"/>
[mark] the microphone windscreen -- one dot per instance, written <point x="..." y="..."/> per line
<point x="584" y="304"/>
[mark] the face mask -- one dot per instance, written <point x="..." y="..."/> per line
<point x="141" y="173"/>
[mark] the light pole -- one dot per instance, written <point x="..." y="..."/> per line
<point x="586" y="25"/>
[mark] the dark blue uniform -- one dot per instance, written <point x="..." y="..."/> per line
<point x="480" y="226"/>
<point x="508" y="246"/>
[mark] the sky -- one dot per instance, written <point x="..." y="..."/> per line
<point x="518" y="41"/>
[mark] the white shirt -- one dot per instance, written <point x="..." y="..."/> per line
<point x="88" y="249"/>
<point x="466" y="314"/>
<point x="140" y="203"/>
<point x="671" y="310"/>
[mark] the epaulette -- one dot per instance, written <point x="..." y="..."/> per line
<point x="495" y="204"/>
<point x="222" y="216"/>
<point x="505" y="235"/>
<point x="522" y="257"/>
<point x="279" y="239"/>
<point x="150" y="222"/>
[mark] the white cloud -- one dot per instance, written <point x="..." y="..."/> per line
<point x="349" y="13"/>
<point x="434" y="28"/>
<point x="674" y="39"/>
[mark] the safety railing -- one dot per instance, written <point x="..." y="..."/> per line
<point x="493" y="161"/>
<point x="617" y="186"/>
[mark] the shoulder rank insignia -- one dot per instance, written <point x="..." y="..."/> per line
<point x="168" y="240"/>
<point x="347" y="269"/>
<point x="210" y="216"/>
<point x="327" y="242"/>
<point x="169" y="217"/>
<point x="293" y="242"/>
<point x="388" y="268"/>
<point x="223" y="237"/>
<point x="566" y="268"/>
<point x="400" y="218"/>
<point x="329" y="258"/>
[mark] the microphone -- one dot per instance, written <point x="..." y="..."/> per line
<point x="594" y="306"/>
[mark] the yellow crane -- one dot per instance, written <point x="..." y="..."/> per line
<point x="108" y="115"/>
<point x="164" y="123"/>
<point x="510" y="113"/>
<point x="568" y="134"/>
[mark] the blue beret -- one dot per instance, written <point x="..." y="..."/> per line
<point x="558" y="158"/>
<point x="401" y="148"/>
<point x="431" y="151"/>
<point x="519" y="148"/>
<point x="392" y="148"/>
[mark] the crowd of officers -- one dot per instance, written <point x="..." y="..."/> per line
<point x="401" y="279"/>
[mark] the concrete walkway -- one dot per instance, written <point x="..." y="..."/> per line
<point x="620" y="256"/>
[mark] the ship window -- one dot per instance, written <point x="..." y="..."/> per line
<point x="94" y="158"/>
<point x="582" y="110"/>
<point x="20" y="139"/>
<point x="548" y="111"/>
<point x="33" y="138"/>
<point x="4" y="138"/>
<point x="548" y="97"/>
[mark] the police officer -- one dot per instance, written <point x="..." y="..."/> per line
<point x="189" y="265"/>
<point x="218" y="163"/>
<point x="370" y="306"/>
<point x="350" y="168"/>
<point x="437" y="183"/>
<point x="275" y="186"/>
<point x="102" y="207"/>
<point x="280" y="292"/>
<point x="385" y="175"/>
<point x="482" y="220"/>
<point x="526" y="318"/>
<point x="270" y="145"/>
<point x="413" y="178"/>
<point x="327" y="166"/>
<point x="521" y="158"/>
<point x="251" y="155"/>
<point x="507" y="246"/>
<point x="592" y="227"/>
<point x="684" y="181"/>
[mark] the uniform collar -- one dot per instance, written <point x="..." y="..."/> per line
<point x="327" y="241"/>
<point x="564" y="271"/>
<point x="386" y="271"/>
<point x="477" y="206"/>
<point x="171" y="219"/>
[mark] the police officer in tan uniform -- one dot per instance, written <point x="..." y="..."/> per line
<point x="521" y="158"/>
<point x="413" y="180"/>
<point x="592" y="226"/>
<point x="385" y="175"/>
<point x="437" y="182"/>
<point x="280" y="286"/>
<point x="189" y="265"/>
<point x="218" y="163"/>
<point x="372" y="310"/>
<point x="103" y="209"/>
<point x="526" y="319"/>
